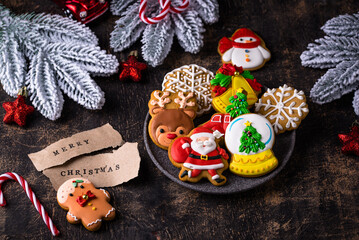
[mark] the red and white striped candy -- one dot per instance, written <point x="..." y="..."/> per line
<point x="165" y="9"/>
<point x="166" y="6"/>
<point x="31" y="195"/>
<point x="178" y="9"/>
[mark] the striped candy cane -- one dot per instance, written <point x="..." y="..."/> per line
<point x="165" y="9"/>
<point x="178" y="9"/>
<point x="31" y="195"/>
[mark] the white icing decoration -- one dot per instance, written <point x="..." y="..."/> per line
<point x="283" y="106"/>
<point x="111" y="210"/>
<point x="104" y="191"/>
<point x="91" y="223"/>
<point x="256" y="57"/>
<point x="73" y="216"/>
<point x="235" y="130"/>
<point x="191" y="80"/>
<point x="162" y="101"/>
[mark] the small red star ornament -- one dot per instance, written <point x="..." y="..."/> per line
<point x="350" y="141"/>
<point x="131" y="69"/>
<point x="17" y="111"/>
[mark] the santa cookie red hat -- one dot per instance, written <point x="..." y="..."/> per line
<point x="205" y="132"/>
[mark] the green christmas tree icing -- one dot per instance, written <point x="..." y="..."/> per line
<point x="250" y="140"/>
<point x="238" y="105"/>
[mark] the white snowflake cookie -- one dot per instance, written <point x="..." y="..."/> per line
<point x="191" y="78"/>
<point x="284" y="107"/>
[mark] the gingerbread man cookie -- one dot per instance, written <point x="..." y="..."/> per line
<point x="191" y="78"/>
<point x="85" y="203"/>
<point x="284" y="107"/>
<point x="244" y="49"/>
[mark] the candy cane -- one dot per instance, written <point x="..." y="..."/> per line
<point x="178" y="9"/>
<point x="159" y="17"/>
<point x="31" y="195"/>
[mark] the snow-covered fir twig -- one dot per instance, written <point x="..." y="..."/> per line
<point x="157" y="38"/>
<point x="47" y="53"/>
<point x="339" y="51"/>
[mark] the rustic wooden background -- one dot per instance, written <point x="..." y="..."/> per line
<point x="316" y="196"/>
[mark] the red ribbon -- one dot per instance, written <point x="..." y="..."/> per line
<point x="80" y="200"/>
<point x="229" y="70"/>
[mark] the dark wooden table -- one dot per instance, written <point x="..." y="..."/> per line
<point x="316" y="196"/>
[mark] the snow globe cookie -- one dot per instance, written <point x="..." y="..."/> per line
<point x="85" y="203"/>
<point x="250" y="139"/>
<point x="244" y="49"/>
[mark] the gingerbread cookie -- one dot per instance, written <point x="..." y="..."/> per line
<point x="250" y="139"/>
<point x="85" y="203"/>
<point x="191" y="78"/>
<point x="284" y="107"/>
<point x="199" y="156"/>
<point x="172" y="116"/>
<point x="244" y="49"/>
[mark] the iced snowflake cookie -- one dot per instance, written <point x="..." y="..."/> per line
<point x="191" y="78"/>
<point x="244" y="49"/>
<point x="284" y="107"/>
<point x="250" y="139"/>
<point x="85" y="203"/>
<point x="172" y="116"/>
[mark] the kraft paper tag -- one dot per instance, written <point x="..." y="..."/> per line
<point x="65" y="159"/>
<point x="103" y="170"/>
<point x="81" y="143"/>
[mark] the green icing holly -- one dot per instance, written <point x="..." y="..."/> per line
<point x="221" y="79"/>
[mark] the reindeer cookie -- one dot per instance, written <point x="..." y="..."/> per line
<point x="85" y="203"/>
<point x="172" y="116"/>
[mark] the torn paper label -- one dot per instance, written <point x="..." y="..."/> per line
<point x="81" y="143"/>
<point x="103" y="170"/>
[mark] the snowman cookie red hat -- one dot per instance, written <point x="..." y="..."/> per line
<point x="199" y="156"/>
<point x="85" y="203"/>
<point x="244" y="49"/>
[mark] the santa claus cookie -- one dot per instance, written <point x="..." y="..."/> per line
<point x="191" y="78"/>
<point x="250" y="139"/>
<point x="199" y="156"/>
<point x="172" y="116"/>
<point x="284" y="107"/>
<point x="244" y="49"/>
<point x="85" y="203"/>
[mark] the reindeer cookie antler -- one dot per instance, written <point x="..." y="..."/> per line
<point x="183" y="101"/>
<point x="161" y="100"/>
<point x="172" y="116"/>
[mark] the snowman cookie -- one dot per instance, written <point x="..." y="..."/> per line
<point x="250" y="139"/>
<point x="244" y="49"/>
<point x="85" y="203"/>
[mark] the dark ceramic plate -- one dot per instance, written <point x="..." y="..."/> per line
<point x="283" y="149"/>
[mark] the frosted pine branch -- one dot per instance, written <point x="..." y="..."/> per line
<point x="157" y="41"/>
<point x="189" y="29"/>
<point x="187" y="25"/>
<point x="340" y="52"/>
<point x="343" y="25"/>
<point x="61" y="55"/>
<point x="336" y="82"/>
